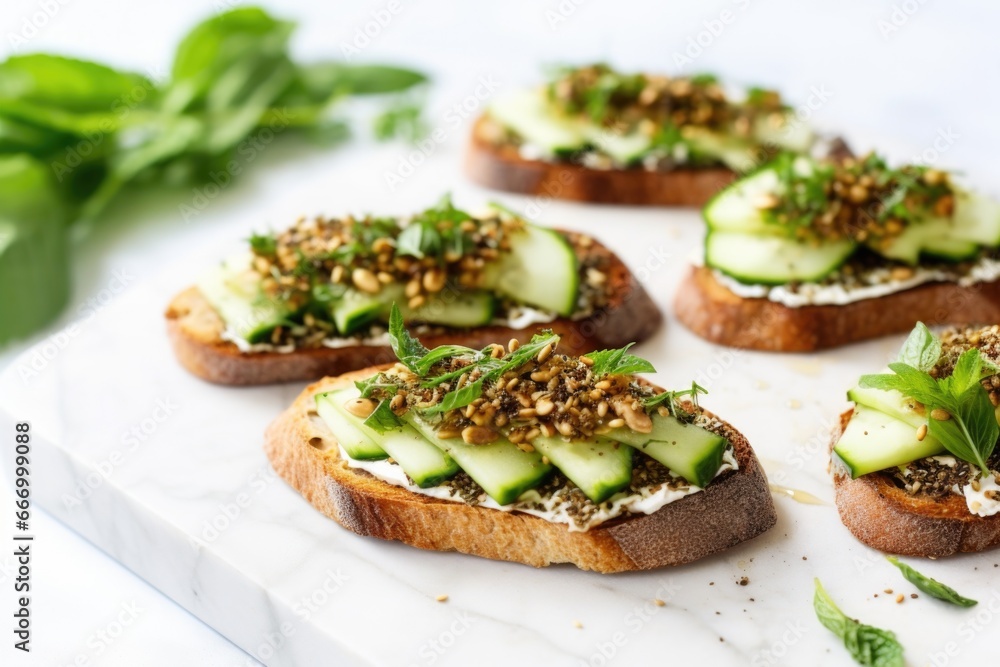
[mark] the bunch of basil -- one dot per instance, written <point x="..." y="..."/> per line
<point x="74" y="133"/>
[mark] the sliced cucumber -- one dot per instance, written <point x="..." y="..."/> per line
<point x="350" y="433"/>
<point x="529" y="114"/>
<point x="234" y="293"/>
<point x="737" y="154"/>
<point x="975" y="223"/>
<point x="736" y="207"/>
<point x="876" y="441"/>
<point x="624" y="148"/>
<point x="889" y="401"/>
<point x="424" y="463"/>
<point x="601" y="468"/>
<point x="461" y="309"/>
<point x="688" y="450"/>
<point x="977" y="218"/>
<point x="503" y="470"/>
<point x="772" y="260"/>
<point x="951" y="249"/>
<point x="540" y="270"/>
<point x="355" y="310"/>
<point x="790" y="135"/>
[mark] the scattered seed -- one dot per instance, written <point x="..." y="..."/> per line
<point x="922" y="432"/>
<point x="544" y="354"/>
<point x="899" y="598"/>
<point x="479" y="435"/>
<point x="366" y="281"/>
<point x="658" y="602"/>
<point x="361" y="407"/>
<point x="940" y="415"/>
<point x="442" y="598"/>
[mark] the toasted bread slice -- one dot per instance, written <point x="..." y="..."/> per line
<point x="887" y="518"/>
<point x="498" y="165"/>
<point x="195" y="331"/>
<point x="735" y="507"/>
<point x="715" y="313"/>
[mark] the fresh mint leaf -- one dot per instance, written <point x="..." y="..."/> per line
<point x="443" y="352"/>
<point x="672" y="399"/>
<point x="618" y="362"/>
<point x="383" y="419"/>
<point x="263" y="244"/>
<point x="368" y="386"/>
<point x="932" y="587"/>
<point x="408" y="349"/>
<point x="971" y="432"/>
<point x="458" y="398"/>
<point x="418" y="239"/>
<point x="967" y="373"/>
<point x="490" y="369"/>
<point x="868" y="645"/>
<point x="922" y="348"/>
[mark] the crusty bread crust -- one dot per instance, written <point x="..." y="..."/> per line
<point x="887" y="518"/>
<point x="195" y="331"/>
<point x="500" y="166"/>
<point x="734" y="508"/>
<point x="716" y="314"/>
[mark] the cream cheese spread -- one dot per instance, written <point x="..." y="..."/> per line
<point x="552" y="508"/>
<point x="877" y="283"/>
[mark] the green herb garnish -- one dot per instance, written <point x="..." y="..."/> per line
<point x="383" y="418"/>
<point x="970" y="430"/>
<point x="263" y="244"/>
<point x="408" y="349"/>
<point x="932" y="587"/>
<point x="490" y="368"/>
<point x="618" y="362"/>
<point x="401" y="121"/>
<point x="867" y="645"/>
<point x="672" y="399"/>
<point x="74" y="134"/>
<point x="435" y="232"/>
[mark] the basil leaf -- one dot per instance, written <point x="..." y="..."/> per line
<point x="932" y="587"/>
<point x="318" y="79"/>
<point x="408" y="349"/>
<point x="618" y="362"/>
<point x="922" y="348"/>
<point x="70" y="94"/>
<point x="867" y="645"/>
<point x="34" y="267"/>
<point x="383" y="418"/>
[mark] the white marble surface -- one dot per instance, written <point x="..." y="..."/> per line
<point x="902" y="90"/>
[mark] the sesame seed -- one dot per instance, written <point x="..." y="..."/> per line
<point x="442" y="598"/>
<point x="658" y="602"/>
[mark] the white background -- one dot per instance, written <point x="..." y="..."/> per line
<point x="899" y="74"/>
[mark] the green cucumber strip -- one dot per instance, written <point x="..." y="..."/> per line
<point x="875" y="441"/>
<point x="503" y="470"/>
<point x="772" y="260"/>
<point x="351" y="435"/>
<point x="601" y="468"/>
<point x="688" y="450"/>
